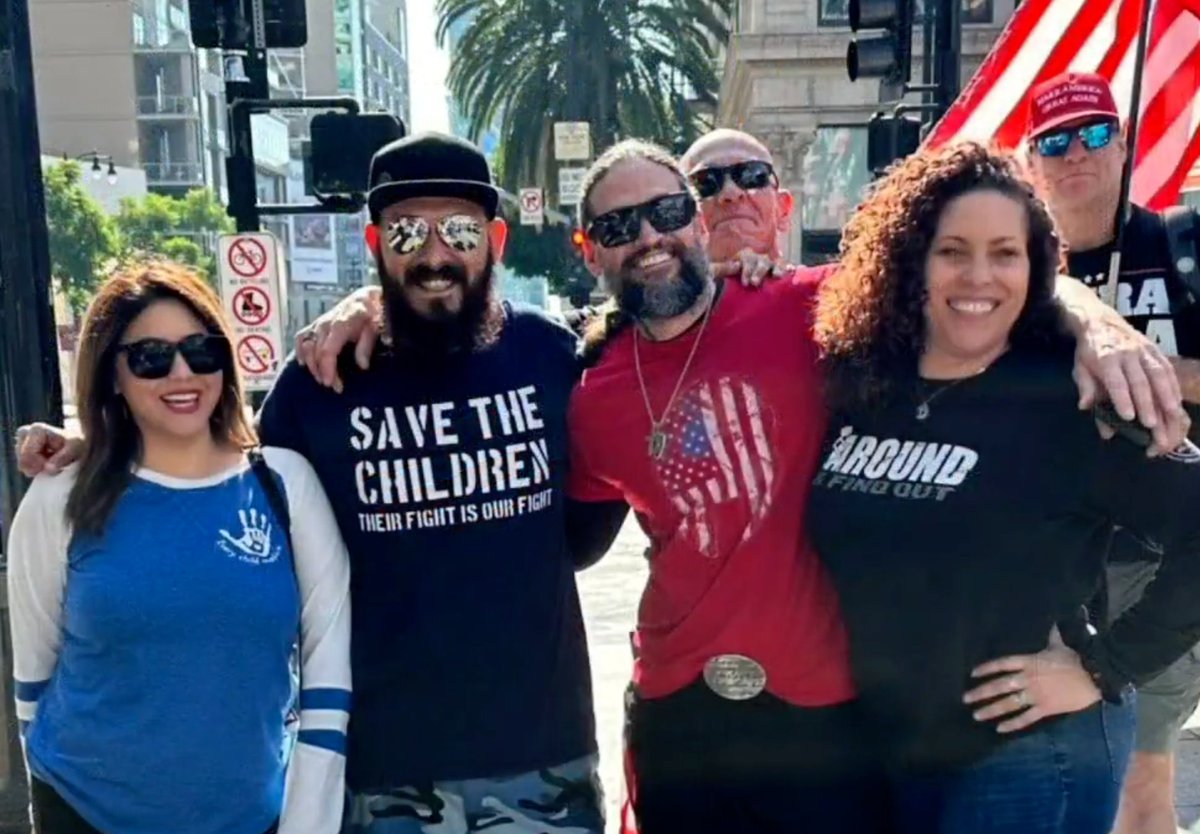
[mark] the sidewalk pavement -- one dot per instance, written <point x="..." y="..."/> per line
<point x="610" y="593"/>
<point x="1187" y="777"/>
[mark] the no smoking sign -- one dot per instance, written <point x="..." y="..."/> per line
<point x="255" y="354"/>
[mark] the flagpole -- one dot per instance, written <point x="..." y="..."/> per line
<point x="1124" y="206"/>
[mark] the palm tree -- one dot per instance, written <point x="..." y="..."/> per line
<point x="628" y="67"/>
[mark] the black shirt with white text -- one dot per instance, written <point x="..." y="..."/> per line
<point x="965" y="537"/>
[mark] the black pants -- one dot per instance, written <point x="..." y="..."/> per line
<point x="702" y="763"/>
<point x="52" y="814"/>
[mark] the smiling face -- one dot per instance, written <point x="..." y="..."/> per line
<point x="659" y="274"/>
<point x="738" y="219"/>
<point x="977" y="279"/>
<point x="435" y="251"/>
<point x="181" y="404"/>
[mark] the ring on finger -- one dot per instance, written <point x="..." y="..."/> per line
<point x="308" y="336"/>
<point x="1023" y="698"/>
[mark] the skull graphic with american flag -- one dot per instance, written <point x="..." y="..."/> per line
<point x="718" y="452"/>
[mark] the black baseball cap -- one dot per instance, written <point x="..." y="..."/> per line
<point x="430" y="165"/>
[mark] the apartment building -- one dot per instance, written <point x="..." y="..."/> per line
<point x="120" y="78"/>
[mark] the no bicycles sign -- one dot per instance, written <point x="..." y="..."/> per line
<point x="251" y="290"/>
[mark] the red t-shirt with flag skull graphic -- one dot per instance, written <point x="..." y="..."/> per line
<point x="731" y="569"/>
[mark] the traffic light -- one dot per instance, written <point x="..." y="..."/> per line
<point x="226" y="24"/>
<point x="890" y="138"/>
<point x="887" y="55"/>
<point x="342" y="147"/>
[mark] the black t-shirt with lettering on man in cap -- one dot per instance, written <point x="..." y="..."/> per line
<point x="445" y="462"/>
<point x="1152" y="297"/>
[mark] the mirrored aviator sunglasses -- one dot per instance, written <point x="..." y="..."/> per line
<point x="461" y="232"/>
<point x="748" y="176"/>
<point x="1093" y="137"/>
<point x="204" y="353"/>
<point x="624" y="225"/>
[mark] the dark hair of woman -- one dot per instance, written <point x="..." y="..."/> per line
<point x="113" y="441"/>
<point x="870" y="318"/>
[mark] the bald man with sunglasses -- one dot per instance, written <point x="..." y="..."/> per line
<point x="1077" y="152"/>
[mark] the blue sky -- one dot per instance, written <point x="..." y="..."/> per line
<point x="427" y="69"/>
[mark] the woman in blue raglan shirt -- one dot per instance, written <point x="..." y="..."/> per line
<point x="158" y="589"/>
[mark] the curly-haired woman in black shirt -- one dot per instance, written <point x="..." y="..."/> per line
<point x="964" y="504"/>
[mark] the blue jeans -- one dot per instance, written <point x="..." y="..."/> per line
<point x="1063" y="779"/>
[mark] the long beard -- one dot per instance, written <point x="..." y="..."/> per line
<point x="664" y="299"/>
<point x="475" y="325"/>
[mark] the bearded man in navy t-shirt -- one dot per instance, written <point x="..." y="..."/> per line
<point x="445" y="461"/>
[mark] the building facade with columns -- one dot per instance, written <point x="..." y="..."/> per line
<point x="785" y="81"/>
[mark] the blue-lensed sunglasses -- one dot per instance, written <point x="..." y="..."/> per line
<point x="1093" y="137"/>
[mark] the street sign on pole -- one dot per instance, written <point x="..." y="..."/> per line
<point x="572" y="141"/>
<point x="570" y="186"/>
<point x="249" y="265"/>
<point x="533" y="207"/>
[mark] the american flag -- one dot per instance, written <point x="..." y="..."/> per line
<point x="717" y="452"/>
<point x="1047" y="37"/>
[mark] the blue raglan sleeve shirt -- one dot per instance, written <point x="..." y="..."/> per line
<point x="68" y="647"/>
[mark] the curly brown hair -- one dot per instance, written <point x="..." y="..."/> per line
<point x="870" y="317"/>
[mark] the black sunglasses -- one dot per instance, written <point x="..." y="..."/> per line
<point x="748" y="176"/>
<point x="204" y="353"/>
<point x="1093" y="137"/>
<point x="624" y="225"/>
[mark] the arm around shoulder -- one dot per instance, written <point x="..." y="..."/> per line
<point x="316" y="777"/>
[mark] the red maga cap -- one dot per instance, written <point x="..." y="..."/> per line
<point x="1069" y="97"/>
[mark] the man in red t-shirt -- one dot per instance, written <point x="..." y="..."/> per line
<point x="706" y="418"/>
<point x="702" y="411"/>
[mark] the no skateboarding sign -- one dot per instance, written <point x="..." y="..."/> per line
<point x="250" y="267"/>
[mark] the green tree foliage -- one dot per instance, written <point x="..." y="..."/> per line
<point x="628" y="67"/>
<point x="179" y="228"/>
<point x="83" y="239"/>
<point x="547" y="251"/>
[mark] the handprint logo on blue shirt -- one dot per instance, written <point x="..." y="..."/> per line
<point x="254" y="543"/>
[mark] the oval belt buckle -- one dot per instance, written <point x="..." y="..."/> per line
<point x="735" y="677"/>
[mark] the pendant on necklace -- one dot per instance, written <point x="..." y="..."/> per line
<point x="658" y="443"/>
<point x="923" y="411"/>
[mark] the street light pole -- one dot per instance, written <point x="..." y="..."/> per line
<point x="29" y="381"/>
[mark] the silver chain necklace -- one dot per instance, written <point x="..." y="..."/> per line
<point x="656" y="442"/>
<point x="923" y="410"/>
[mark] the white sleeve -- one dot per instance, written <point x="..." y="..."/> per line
<point x="37" y="575"/>
<point x="315" y="794"/>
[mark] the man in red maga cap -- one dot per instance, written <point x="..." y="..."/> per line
<point x="1077" y="149"/>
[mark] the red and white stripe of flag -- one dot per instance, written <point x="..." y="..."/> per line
<point x="1047" y="37"/>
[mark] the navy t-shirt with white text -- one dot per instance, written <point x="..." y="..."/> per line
<point x="468" y="647"/>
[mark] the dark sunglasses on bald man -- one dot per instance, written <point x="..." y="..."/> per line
<point x="1092" y="136"/>
<point x="748" y="176"/>
<point x="624" y="225"/>
<point x="204" y="353"/>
